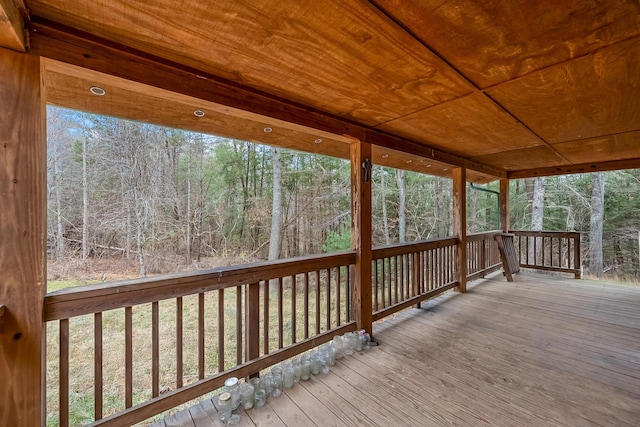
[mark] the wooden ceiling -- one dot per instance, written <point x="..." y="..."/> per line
<point x="506" y="88"/>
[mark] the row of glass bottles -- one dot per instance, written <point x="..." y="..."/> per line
<point x="254" y="393"/>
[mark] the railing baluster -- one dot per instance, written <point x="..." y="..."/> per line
<point x="179" y="346"/>
<point x="128" y="357"/>
<point x="155" y="350"/>
<point x="221" y="330"/>
<point x="293" y="310"/>
<point x="317" y="301"/>
<point x="389" y="280"/>
<point x="306" y="305"/>
<point x="383" y="293"/>
<point x="328" y="299"/>
<point x="64" y="373"/>
<point x="239" y="334"/>
<point x="201" y="335"/>
<point x="338" y="287"/>
<point x="252" y="321"/>
<point x="97" y="366"/>
<point x="375" y="285"/>
<point x="280" y="315"/>
<point x="265" y="319"/>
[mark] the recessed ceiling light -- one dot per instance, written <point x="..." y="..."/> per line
<point x="198" y="113"/>
<point x="428" y="166"/>
<point x="318" y="141"/>
<point x="268" y="130"/>
<point x="384" y="156"/>
<point x="97" y="90"/>
<point x="409" y="161"/>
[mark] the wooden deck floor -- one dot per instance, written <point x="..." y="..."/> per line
<point x="539" y="351"/>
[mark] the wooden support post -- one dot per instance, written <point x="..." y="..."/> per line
<point x="504" y="205"/>
<point x="460" y="225"/>
<point x="362" y="309"/>
<point x="23" y="236"/>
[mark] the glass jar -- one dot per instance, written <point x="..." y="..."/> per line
<point x="276" y="389"/>
<point x="246" y="395"/>
<point x="276" y="369"/>
<point x="305" y="370"/>
<point x="266" y="383"/>
<point x="255" y="382"/>
<point x="315" y="366"/>
<point x="366" y="341"/>
<point x="358" y="341"/>
<point x="338" y="344"/>
<point x="232" y="386"/>
<point x="297" y="367"/>
<point x="224" y="408"/>
<point x="349" y="343"/>
<point x="260" y="398"/>
<point x="288" y="375"/>
<point x="324" y="361"/>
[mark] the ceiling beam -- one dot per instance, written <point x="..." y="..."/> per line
<point x="12" y="33"/>
<point x="574" y="169"/>
<point x="67" y="45"/>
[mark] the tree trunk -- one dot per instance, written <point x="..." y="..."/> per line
<point x="276" y="211"/>
<point x="537" y="214"/>
<point x="402" y="214"/>
<point x="85" y="197"/>
<point x="595" y="224"/>
<point x="385" y="218"/>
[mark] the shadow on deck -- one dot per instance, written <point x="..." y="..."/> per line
<point x="537" y="351"/>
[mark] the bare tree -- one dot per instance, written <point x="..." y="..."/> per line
<point x="595" y="225"/>
<point x="276" y="211"/>
<point x="402" y="198"/>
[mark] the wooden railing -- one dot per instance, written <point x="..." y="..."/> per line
<point x="483" y="256"/>
<point x="231" y="321"/>
<point x="242" y="319"/>
<point x="549" y="250"/>
<point x="405" y="274"/>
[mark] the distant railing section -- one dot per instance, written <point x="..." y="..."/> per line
<point x="483" y="256"/>
<point x="549" y="250"/>
<point x="202" y="326"/>
<point x="405" y="274"/>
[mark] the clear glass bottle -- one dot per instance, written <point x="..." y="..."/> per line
<point x="246" y="395"/>
<point x="276" y="389"/>
<point x="349" y="343"/>
<point x="232" y="386"/>
<point x="260" y="398"/>
<point x="338" y="344"/>
<point x="358" y="341"/>
<point x="288" y="375"/>
<point x="266" y="383"/>
<point x="224" y="408"/>
<point x="297" y="368"/>
<point x="305" y="370"/>
<point x="366" y="341"/>
<point x="315" y="366"/>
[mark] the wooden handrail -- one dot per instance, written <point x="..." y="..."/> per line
<point x="550" y="250"/>
<point x="76" y="301"/>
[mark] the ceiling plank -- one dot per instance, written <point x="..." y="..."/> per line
<point x="12" y="34"/>
<point x="83" y="50"/>
<point x="573" y="169"/>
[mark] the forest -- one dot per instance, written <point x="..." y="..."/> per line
<point x="157" y="200"/>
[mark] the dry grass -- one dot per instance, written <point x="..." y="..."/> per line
<point x="81" y="333"/>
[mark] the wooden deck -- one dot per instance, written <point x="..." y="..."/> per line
<point x="537" y="351"/>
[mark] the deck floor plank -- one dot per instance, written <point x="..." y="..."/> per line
<point x="538" y="351"/>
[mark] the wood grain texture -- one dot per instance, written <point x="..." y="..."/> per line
<point x="469" y="126"/>
<point x="496" y="41"/>
<point x="589" y="97"/>
<point x="459" y="226"/>
<point x="263" y="45"/>
<point x="23" y="236"/>
<point x="223" y="96"/>
<point x="538" y="351"/>
<point x="621" y="146"/>
<point x="579" y="168"/>
<point x="527" y="158"/>
<point x="361" y="309"/>
<point x="12" y="28"/>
